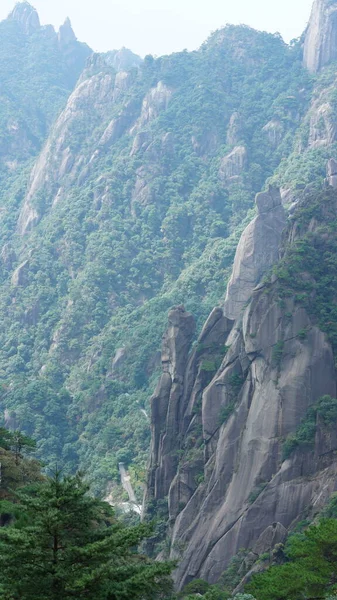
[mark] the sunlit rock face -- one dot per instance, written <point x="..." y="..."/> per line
<point x="320" y="47"/>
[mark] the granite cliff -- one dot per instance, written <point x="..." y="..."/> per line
<point x="223" y="409"/>
<point x="320" y="45"/>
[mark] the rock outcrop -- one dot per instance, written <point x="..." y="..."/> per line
<point x="257" y="251"/>
<point x="274" y="131"/>
<point x="57" y="159"/>
<point x="26" y="16"/>
<point x="66" y="34"/>
<point x="320" y="46"/>
<point x="245" y="386"/>
<point x="233" y="165"/>
<point x="123" y="59"/>
<point x="155" y="102"/>
<point x="332" y="173"/>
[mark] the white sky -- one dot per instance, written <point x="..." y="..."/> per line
<point x="164" y="26"/>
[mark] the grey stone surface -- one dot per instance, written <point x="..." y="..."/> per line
<point x="249" y="496"/>
<point x="26" y="15"/>
<point x="233" y="165"/>
<point x="320" y="46"/>
<point x="332" y="173"/>
<point x="258" y="250"/>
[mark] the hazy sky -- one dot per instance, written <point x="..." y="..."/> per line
<point x="164" y="26"/>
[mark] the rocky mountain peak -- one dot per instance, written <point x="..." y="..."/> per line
<point x="257" y="251"/>
<point x="66" y="33"/>
<point x="25" y="14"/>
<point x="320" y="46"/>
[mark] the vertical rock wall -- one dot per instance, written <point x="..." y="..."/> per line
<point x="245" y="386"/>
<point x="320" y="46"/>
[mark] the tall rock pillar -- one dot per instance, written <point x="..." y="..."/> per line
<point x="320" y="46"/>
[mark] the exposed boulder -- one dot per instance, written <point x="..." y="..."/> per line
<point x="8" y="256"/>
<point x="320" y="45"/>
<point x="258" y="250"/>
<point x="323" y="130"/>
<point x="118" y="126"/>
<point x="123" y="82"/>
<point x="141" y="141"/>
<point x="272" y="535"/>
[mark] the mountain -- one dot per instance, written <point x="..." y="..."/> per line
<point x="135" y="203"/>
<point x="38" y="71"/>
<point x="243" y="446"/>
<point x="138" y="189"/>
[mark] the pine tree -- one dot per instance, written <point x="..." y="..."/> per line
<point x="68" y="545"/>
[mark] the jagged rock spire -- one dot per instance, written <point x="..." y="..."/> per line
<point x="66" y="33"/>
<point x="320" y="46"/>
<point x="25" y="14"/>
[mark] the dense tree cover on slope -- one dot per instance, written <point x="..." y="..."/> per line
<point x="103" y="266"/>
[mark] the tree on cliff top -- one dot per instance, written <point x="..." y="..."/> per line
<point x="67" y="544"/>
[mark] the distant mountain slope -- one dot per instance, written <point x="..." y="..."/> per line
<point x="38" y="69"/>
<point x="135" y="203"/>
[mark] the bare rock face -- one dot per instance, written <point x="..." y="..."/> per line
<point x="165" y="422"/>
<point x="19" y="276"/>
<point x="122" y="83"/>
<point x="123" y="59"/>
<point x="320" y="46"/>
<point x="26" y="16"/>
<point x="332" y="173"/>
<point x="258" y="250"/>
<point x="219" y="419"/>
<point x="8" y="256"/>
<point x="155" y="102"/>
<point x="66" y="34"/>
<point x="272" y="535"/>
<point x="233" y="165"/>
<point x="57" y="160"/>
<point x="323" y="130"/>
<point x="234" y="130"/>
<point x="274" y="131"/>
